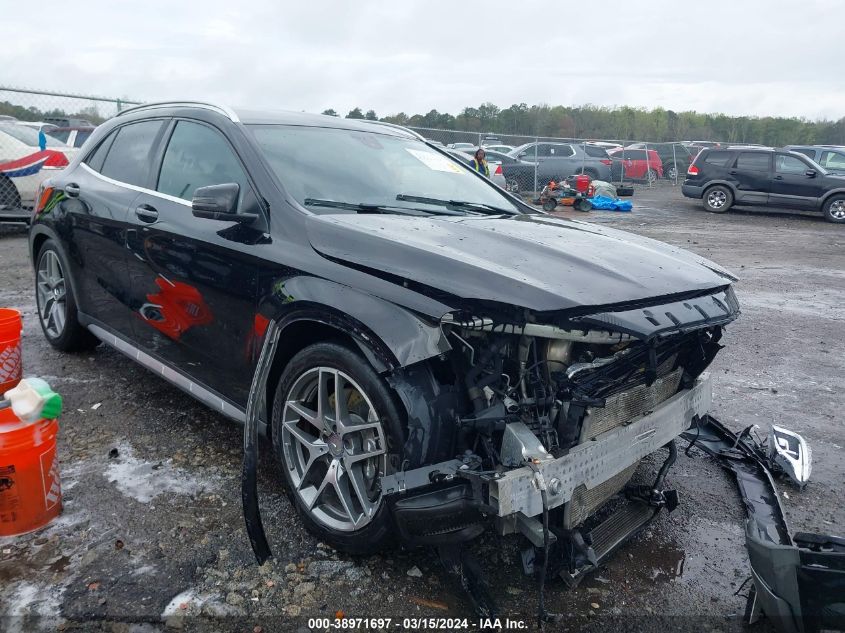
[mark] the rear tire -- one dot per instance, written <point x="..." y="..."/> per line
<point x="673" y="171"/>
<point x="834" y="209"/>
<point x="651" y="176"/>
<point x="717" y="199"/>
<point x="549" y="205"/>
<point x="334" y="489"/>
<point x="56" y="303"/>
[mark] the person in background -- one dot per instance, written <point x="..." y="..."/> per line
<point x="479" y="163"/>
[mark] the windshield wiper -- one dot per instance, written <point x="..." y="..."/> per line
<point x="463" y="205"/>
<point x="360" y="207"/>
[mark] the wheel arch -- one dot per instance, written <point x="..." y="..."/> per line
<point x="829" y="194"/>
<point x="724" y="183"/>
<point x="38" y="235"/>
<point x="389" y="336"/>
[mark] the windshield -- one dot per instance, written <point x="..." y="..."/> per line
<point x="28" y="135"/>
<point x="358" y="167"/>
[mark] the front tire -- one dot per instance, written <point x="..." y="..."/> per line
<point x="834" y="209"/>
<point x="333" y="451"/>
<point x="57" y="312"/>
<point x="717" y="199"/>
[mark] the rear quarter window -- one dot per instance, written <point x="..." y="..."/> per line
<point x="717" y="158"/>
<point x="595" y="152"/>
<point x="753" y="161"/>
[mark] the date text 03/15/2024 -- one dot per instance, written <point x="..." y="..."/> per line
<point x="417" y="624"/>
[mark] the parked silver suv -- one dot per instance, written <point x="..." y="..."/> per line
<point x="559" y="160"/>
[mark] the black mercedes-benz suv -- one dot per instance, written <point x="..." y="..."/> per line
<point x="722" y="178"/>
<point x="444" y="354"/>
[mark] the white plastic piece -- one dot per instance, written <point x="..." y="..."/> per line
<point x="27" y="403"/>
<point x="792" y="453"/>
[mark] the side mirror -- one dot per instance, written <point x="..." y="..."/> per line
<point x="810" y="173"/>
<point x="219" y="202"/>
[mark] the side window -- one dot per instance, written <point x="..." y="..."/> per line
<point x="197" y="156"/>
<point x="810" y="153"/>
<point x="560" y="151"/>
<point x="790" y="165"/>
<point x="833" y="160"/>
<point x="96" y="158"/>
<point x="128" y="159"/>
<point x="753" y="161"/>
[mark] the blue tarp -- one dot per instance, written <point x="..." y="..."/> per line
<point x="603" y="203"/>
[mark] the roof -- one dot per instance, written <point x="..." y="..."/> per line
<point x="282" y="117"/>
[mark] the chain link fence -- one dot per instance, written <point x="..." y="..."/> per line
<point x="530" y="162"/>
<point x="39" y="132"/>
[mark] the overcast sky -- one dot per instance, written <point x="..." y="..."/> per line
<point x="737" y="56"/>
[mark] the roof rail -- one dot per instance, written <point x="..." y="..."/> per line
<point x="398" y="127"/>
<point x="224" y="110"/>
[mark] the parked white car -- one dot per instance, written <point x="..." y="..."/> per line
<point x="24" y="165"/>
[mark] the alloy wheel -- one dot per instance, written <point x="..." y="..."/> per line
<point x="334" y="447"/>
<point x="716" y="199"/>
<point x="837" y="210"/>
<point x="51" y="293"/>
<point x="672" y="173"/>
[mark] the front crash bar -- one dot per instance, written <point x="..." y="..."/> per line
<point x="592" y="463"/>
<point x="799" y="581"/>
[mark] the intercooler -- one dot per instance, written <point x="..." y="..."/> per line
<point x="620" y="409"/>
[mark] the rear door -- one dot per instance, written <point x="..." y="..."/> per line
<point x="562" y="161"/>
<point x="750" y="174"/>
<point x="195" y="279"/>
<point x="791" y="186"/>
<point x="98" y="194"/>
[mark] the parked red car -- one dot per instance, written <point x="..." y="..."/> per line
<point x="637" y="165"/>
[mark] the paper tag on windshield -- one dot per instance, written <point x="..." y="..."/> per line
<point x="435" y="161"/>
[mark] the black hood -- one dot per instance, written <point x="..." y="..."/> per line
<point x="532" y="261"/>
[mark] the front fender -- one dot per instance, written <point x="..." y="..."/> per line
<point x="395" y="336"/>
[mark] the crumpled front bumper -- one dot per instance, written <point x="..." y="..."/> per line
<point x="594" y="462"/>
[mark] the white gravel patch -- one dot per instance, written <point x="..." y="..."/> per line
<point x="143" y="481"/>
<point x="26" y="606"/>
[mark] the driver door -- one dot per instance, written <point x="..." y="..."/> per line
<point x="791" y="186"/>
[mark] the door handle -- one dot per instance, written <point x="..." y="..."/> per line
<point x="146" y="213"/>
<point x="778" y="178"/>
<point x="72" y="190"/>
<point x="732" y="172"/>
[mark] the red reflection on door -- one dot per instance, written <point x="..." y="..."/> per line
<point x="175" y="308"/>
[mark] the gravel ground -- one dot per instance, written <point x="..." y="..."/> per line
<point x="152" y="536"/>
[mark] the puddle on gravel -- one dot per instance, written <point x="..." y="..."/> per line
<point x="708" y="550"/>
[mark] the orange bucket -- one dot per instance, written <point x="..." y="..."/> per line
<point x="11" y="362"/>
<point x="30" y="489"/>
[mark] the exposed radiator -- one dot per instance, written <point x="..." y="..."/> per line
<point x="625" y="407"/>
<point x="585" y="502"/>
<point x="621" y="408"/>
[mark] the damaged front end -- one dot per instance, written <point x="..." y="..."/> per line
<point x="534" y="421"/>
